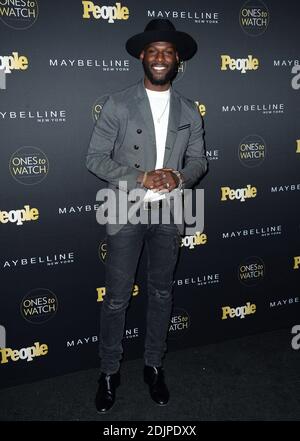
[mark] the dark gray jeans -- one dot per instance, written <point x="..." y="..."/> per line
<point x="123" y="252"/>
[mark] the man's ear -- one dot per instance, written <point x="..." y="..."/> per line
<point x="142" y="54"/>
<point x="177" y="58"/>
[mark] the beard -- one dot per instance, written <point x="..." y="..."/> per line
<point x="169" y="76"/>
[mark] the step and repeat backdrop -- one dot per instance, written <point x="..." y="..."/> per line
<point x="59" y="60"/>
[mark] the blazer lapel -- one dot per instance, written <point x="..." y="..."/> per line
<point x="144" y="111"/>
<point x="174" y="119"/>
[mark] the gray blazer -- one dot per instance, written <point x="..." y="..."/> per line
<point x="123" y="143"/>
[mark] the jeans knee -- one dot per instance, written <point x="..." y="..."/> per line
<point x="115" y="305"/>
<point x="161" y="294"/>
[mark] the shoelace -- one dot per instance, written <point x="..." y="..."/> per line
<point x="107" y="378"/>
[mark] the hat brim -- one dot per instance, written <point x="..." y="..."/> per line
<point x="185" y="45"/>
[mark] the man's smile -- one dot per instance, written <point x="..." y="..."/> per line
<point x="159" y="67"/>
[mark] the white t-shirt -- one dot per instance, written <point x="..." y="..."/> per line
<point x="160" y="107"/>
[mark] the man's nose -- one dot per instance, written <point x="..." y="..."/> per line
<point x="160" y="56"/>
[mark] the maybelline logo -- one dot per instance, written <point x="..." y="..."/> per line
<point x="78" y="209"/>
<point x="284" y="302"/>
<point x="286" y="62"/>
<point x="131" y="333"/>
<point x="40" y="116"/>
<point x="81" y="341"/>
<point x="207" y="279"/>
<point x="285" y="188"/>
<point x="51" y="260"/>
<point x="199" y="17"/>
<point x="212" y="155"/>
<point x="265" y="109"/>
<point x="251" y="232"/>
<point x="112" y="65"/>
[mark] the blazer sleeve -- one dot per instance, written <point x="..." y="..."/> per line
<point x="99" y="158"/>
<point x="195" y="161"/>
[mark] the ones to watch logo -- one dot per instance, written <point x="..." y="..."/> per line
<point x="180" y="322"/>
<point x="39" y="305"/>
<point x="251" y="271"/>
<point x="252" y="150"/>
<point x="254" y="17"/>
<point x="19" y="14"/>
<point x="29" y="165"/>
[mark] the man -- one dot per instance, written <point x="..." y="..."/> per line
<point x="147" y="137"/>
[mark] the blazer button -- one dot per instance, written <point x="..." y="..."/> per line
<point x="136" y="147"/>
<point x="139" y="131"/>
<point x="137" y="165"/>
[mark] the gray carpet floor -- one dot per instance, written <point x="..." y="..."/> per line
<point x="255" y="378"/>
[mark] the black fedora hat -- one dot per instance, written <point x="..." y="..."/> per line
<point x="162" y="30"/>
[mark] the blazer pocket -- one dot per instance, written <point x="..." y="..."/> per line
<point x="185" y="126"/>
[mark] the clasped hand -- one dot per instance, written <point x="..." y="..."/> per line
<point x="161" y="180"/>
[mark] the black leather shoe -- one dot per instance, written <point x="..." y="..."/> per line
<point x="154" y="377"/>
<point x="106" y="392"/>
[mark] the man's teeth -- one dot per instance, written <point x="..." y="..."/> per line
<point x="159" y="67"/>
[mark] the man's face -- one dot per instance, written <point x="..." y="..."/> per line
<point x="160" y="61"/>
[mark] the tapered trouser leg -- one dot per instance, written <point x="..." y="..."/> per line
<point x="123" y="252"/>
<point x="162" y="244"/>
